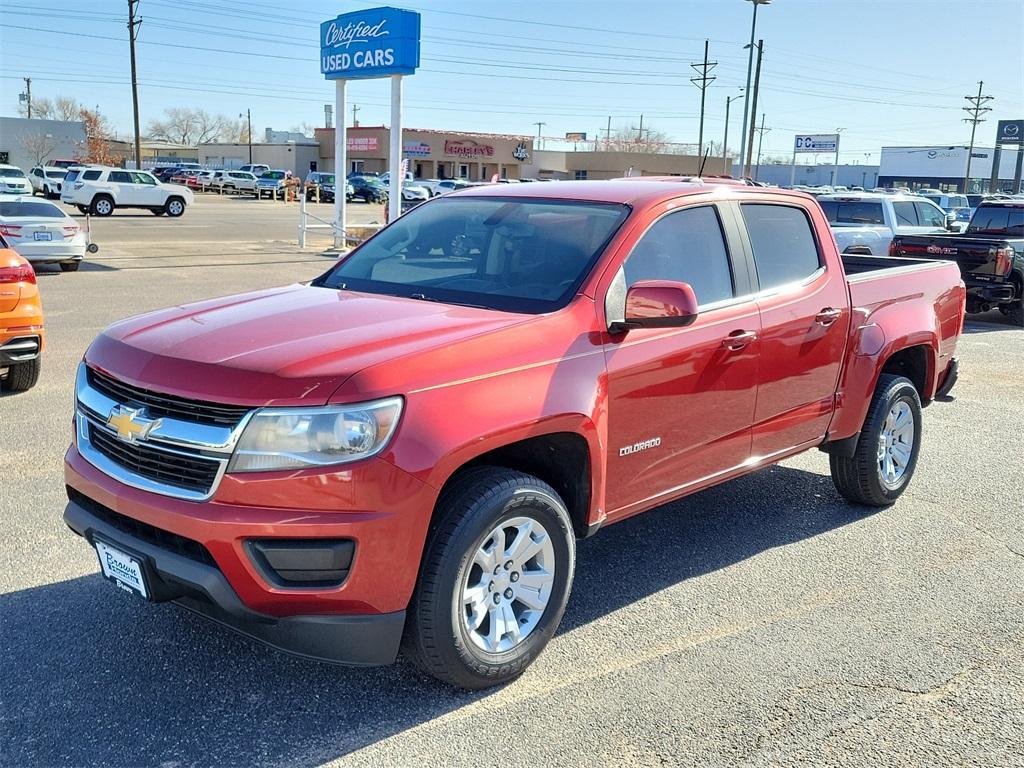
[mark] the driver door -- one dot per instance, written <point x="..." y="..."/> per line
<point x="681" y="400"/>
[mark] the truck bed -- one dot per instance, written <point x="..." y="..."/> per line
<point x="863" y="265"/>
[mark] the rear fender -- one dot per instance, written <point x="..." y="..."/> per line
<point x="879" y="336"/>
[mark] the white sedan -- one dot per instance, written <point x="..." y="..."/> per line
<point x="42" y="233"/>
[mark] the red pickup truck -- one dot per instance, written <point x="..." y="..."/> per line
<point x="402" y="453"/>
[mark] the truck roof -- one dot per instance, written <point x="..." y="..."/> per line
<point x="629" y="190"/>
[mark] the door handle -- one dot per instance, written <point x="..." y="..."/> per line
<point x="738" y="340"/>
<point x="828" y="316"/>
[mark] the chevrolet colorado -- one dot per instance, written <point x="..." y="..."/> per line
<point x="990" y="254"/>
<point x="402" y="453"/>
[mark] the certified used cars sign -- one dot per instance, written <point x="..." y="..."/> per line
<point x="373" y="43"/>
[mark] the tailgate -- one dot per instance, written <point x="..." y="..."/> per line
<point x="978" y="258"/>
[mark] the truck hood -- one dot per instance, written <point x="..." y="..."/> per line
<point x="286" y="346"/>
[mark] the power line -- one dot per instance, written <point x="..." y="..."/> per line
<point x="703" y="82"/>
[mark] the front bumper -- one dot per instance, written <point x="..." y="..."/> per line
<point x="196" y="583"/>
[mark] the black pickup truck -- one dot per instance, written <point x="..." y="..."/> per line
<point x="990" y="253"/>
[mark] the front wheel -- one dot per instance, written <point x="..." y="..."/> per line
<point x="175" y="207"/>
<point x="494" y="580"/>
<point x="886" y="455"/>
<point x="22" y="376"/>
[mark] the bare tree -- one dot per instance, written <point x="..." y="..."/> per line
<point x="42" y="109"/>
<point x="191" y="127"/>
<point x="66" y="108"/>
<point x="306" y="129"/>
<point x="635" y="139"/>
<point x="39" y="147"/>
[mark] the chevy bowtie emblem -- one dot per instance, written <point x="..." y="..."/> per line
<point x="131" y="423"/>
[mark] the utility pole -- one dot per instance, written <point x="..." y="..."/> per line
<point x="640" y="130"/>
<point x="703" y="82"/>
<point x="539" y="125"/>
<point x="976" y="109"/>
<point x="248" y="131"/>
<point x="608" y="134"/>
<point x="133" y="31"/>
<point x="749" y="140"/>
<point x="355" y="111"/>
<point x="744" y="159"/>
<point x="760" y="139"/>
<point x="27" y="95"/>
<point x="725" y="141"/>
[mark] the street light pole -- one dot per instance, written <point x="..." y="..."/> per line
<point x="725" y="139"/>
<point x="750" y="72"/>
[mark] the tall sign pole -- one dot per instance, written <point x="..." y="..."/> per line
<point x="363" y="45"/>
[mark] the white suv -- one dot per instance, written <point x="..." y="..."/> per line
<point x="47" y="179"/>
<point x="100" y="190"/>
<point x="238" y="181"/>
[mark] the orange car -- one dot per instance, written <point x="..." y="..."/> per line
<point x="21" y="322"/>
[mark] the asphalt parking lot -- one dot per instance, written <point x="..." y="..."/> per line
<point x="763" y="622"/>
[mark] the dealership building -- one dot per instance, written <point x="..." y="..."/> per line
<point x="431" y="154"/>
<point x="944" y="168"/>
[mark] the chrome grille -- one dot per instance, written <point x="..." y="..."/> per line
<point x="161" y="405"/>
<point x="191" y="472"/>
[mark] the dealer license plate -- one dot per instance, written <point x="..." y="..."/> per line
<point x="121" y="568"/>
<point x="44" y="236"/>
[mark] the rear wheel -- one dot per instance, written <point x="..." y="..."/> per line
<point x="494" y="580"/>
<point x="175" y="207"/>
<point x="102" y="205"/>
<point x="886" y="455"/>
<point x="22" y="376"/>
<point x="69" y="266"/>
<point x="1015" y="311"/>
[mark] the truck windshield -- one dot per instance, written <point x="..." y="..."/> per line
<point x="852" y="212"/>
<point x="998" y="220"/>
<point x="510" y="254"/>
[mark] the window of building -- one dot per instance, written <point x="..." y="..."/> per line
<point x="783" y="243"/>
<point x="685" y="246"/>
<point x="580" y="176"/>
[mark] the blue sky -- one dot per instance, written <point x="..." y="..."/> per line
<point x="887" y="71"/>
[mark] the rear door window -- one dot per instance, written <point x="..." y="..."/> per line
<point x="120" y="177"/>
<point x="783" y="243"/>
<point x="686" y="246"/>
<point x="906" y="215"/>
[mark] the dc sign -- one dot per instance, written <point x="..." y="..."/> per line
<point x="377" y="42"/>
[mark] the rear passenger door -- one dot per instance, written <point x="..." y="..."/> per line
<point x="805" y="318"/>
<point x="121" y="185"/>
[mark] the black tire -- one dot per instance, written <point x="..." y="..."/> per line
<point x="436" y="639"/>
<point x="175" y="207"/>
<point x="22" y="376"/>
<point x="158" y="211"/>
<point x="69" y="266"/>
<point x="1015" y="311"/>
<point x="859" y="478"/>
<point x="102" y="205"/>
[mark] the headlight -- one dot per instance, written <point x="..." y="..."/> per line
<point x="299" y="438"/>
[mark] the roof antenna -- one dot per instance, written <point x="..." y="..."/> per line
<point x="704" y="160"/>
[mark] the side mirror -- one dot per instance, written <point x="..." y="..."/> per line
<point x="951" y="223"/>
<point x="658" y="304"/>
